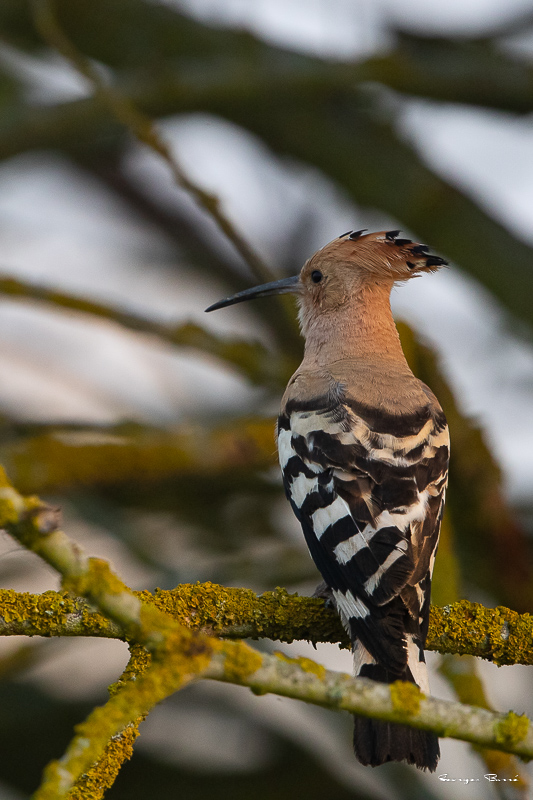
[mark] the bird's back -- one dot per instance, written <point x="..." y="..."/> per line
<point x="364" y="453"/>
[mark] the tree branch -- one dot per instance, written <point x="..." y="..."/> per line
<point x="278" y="94"/>
<point x="66" y="459"/>
<point x="183" y="662"/>
<point x="142" y="127"/>
<point x="398" y="702"/>
<point x="252" y="359"/>
<point x="180" y="655"/>
<point x="464" y="628"/>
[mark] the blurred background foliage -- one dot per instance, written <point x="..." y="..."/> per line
<point x="189" y="489"/>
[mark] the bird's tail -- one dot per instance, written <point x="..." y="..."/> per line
<point x="375" y="741"/>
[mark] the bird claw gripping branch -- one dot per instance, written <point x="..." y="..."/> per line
<point x="363" y="448"/>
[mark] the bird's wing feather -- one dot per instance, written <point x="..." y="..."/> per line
<point x="368" y="491"/>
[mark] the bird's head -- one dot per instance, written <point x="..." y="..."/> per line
<point x="344" y="268"/>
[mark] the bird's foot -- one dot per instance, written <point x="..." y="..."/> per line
<point x="326" y="593"/>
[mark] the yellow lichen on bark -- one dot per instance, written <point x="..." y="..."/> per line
<point x="405" y="697"/>
<point x="512" y="729"/>
<point x="185" y="655"/>
<point x="241" y="662"/>
<point x="306" y="664"/>
<point x="499" y="634"/>
<point x="50" y="614"/>
<point x="180" y="654"/>
<point x="93" y="784"/>
<point x="235" y="612"/>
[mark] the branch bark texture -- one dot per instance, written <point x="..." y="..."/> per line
<point x="463" y="628"/>
<point x="172" y="655"/>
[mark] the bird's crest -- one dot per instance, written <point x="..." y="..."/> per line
<point x="344" y="268"/>
<point x="354" y="267"/>
<point x="381" y="255"/>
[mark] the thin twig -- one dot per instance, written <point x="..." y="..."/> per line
<point x="251" y="358"/>
<point x="143" y="128"/>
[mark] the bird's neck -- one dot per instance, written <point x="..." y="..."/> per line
<point x="362" y="329"/>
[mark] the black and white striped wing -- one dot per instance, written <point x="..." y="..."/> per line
<point x="368" y="490"/>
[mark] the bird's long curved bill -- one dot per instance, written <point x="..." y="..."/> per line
<point x="284" y="286"/>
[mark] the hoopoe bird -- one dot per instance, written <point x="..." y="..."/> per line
<point x="363" y="448"/>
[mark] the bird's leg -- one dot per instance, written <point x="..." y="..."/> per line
<point x="325" y="593"/>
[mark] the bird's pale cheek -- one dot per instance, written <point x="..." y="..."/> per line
<point x="304" y="315"/>
<point x="317" y="300"/>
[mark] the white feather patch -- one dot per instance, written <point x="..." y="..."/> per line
<point x="420" y="597"/>
<point x="285" y="450"/>
<point x="418" y="668"/>
<point x="350" y="606"/>
<point x="374" y="579"/>
<point x="322" y="518"/>
<point x="361" y="656"/>
<point x="301" y="487"/>
<point x="416" y="513"/>
<point x="304" y="424"/>
<point x="432" y="561"/>
<point x="346" y="550"/>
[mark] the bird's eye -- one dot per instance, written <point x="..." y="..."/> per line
<point x="316" y="276"/>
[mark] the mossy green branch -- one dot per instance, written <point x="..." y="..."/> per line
<point x="496" y="634"/>
<point x="184" y="657"/>
<point x="189" y="656"/>
<point x="93" y="784"/>
<point x="60" y="460"/>
<point x="180" y="655"/>
<point x="240" y="613"/>
<point x="277" y="674"/>
<point x="52" y="614"/>
<point x="251" y="359"/>
<point x="35" y="526"/>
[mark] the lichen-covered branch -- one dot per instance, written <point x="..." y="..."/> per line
<point x="183" y="657"/>
<point x="301" y="679"/>
<point x="210" y="608"/>
<point x="464" y="628"/>
<point x="180" y="655"/>
<point x="35" y="526"/>
<point x="463" y="676"/>
<point x="93" y="783"/>
<point x="399" y="702"/>
<point x="52" y="614"/>
<point x="297" y="678"/>
<point x="496" y="634"/>
<point x="252" y="359"/>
